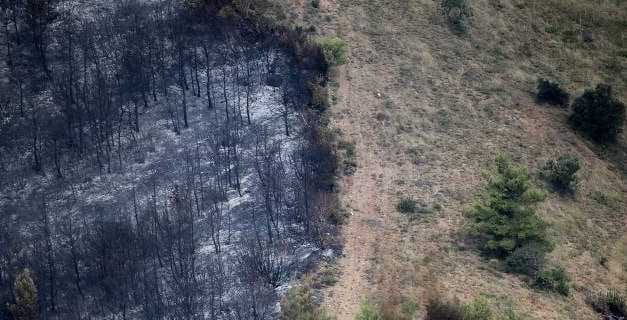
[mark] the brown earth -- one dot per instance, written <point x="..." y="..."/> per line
<point x="428" y="111"/>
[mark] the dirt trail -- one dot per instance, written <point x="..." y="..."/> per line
<point x="368" y="233"/>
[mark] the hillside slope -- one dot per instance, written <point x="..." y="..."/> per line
<point x="429" y="110"/>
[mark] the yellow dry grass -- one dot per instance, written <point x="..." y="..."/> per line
<point x="429" y="110"/>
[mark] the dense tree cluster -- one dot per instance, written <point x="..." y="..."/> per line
<point x="155" y="162"/>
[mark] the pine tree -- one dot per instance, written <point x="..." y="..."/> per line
<point x="25" y="307"/>
<point x="506" y="219"/>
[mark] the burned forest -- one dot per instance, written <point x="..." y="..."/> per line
<point x="157" y="161"/>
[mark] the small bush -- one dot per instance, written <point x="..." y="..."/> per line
<point x="551" y="93"/>
<point x="407" y="206"/>
<point x="368" y="311"/>
<point x="319" y="97"/>
<point x="438" y="309"/>
<point x="335" y="51"/>
<point x="299" y="305"/>
<point x="478" y="309"/>
<point x="527" y="259"/>
<point x="609" y="304"/>
<point x="408" y="309"/>
<point x="554" y="280"/>
<point x="457" y="13"/>
<point x="562" y="173"/>
<point x="327" y="277"/>
<point x="393" y="308"/>
<point x="598" y="114"/>
<point x="349" y="160"/>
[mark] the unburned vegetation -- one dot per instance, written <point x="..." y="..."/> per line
<point x="429" y="105"/>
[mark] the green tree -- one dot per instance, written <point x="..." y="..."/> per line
<point x="25" y="306"/>
<point x="506" y="218"/>
<point x="598" y="114"/>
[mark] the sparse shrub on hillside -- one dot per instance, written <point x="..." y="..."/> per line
<point x="299" y="304"/>
<point x="554" y="280"/>
<point x="319" y="97"/>
<point x="368" y="311"/>
<point x="527" y="259"/>
<point x="505" y="219"/>
<point x="349" y="159"/>
<point x="478" y="309"/>
<point x="562" y="173"/>
<point x="335" y="51"/>
<point x="440" y="309"/>
<point x="457" y="13"/>
<point x="551" y="93"/>
<point x="407" y="310"/>
<point x="598" y="114"/>
<point x="610" y="304"/>
<point x="393" y="308"/>
<point x="327" y="276"/>
<point x="407" y="206"/>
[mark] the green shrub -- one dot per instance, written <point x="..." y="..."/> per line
<point x="527" y="259"/>
<point x="408" y="308"/>
<point x="328" y="279"/>
<point x="505" y="219"/>
<point x="315" y="4"/>
<point x="562" y="173"/>
<point x="610" y="304"/>
<point x="478" y="309"/>
<point x="319" y="97"/>
<point x="327" y="276"/>
<point x="335" y="51"/>
<point x="349" y="160"/>
<point x="407" y="206"/>
<point x="368" y="311"/>
<point x="438" y="309"/>
<point x="299" y="305"/>
<point x="554" y="280"/>
<point x="598" y="114"/>
<point x="551" y="93"/>
<point x="392" y="308"/>
<point x="457" y="13"/>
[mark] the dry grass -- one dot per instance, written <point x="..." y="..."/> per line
<point x="428" y="110"/>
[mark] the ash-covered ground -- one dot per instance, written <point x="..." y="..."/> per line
<point x="156" y="162"/>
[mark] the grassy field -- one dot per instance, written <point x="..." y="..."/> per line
<point x="428" y="110"/>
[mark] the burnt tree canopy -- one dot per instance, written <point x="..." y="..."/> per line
<point x="148" y="166"/>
